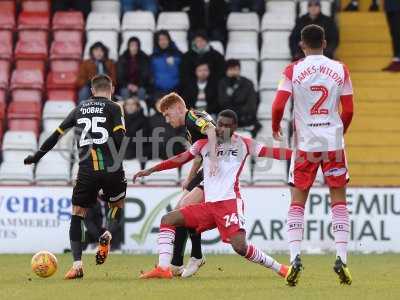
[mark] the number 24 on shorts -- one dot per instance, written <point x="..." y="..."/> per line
<point x="231" y="219"/>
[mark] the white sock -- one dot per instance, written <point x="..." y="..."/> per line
<point x="295" y="228"/>
<point x="341" y="229"/>
<point x="255" y="255"/>
<point x="77" y="264"/>
<point x="166" y="238"/>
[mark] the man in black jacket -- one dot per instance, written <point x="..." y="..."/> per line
<point x="314" y="16"/>
<point x="133" y="71"/>
<point x="392" y="10"/>
<point x="237" y="93"/>
<point x="201" y="51"/>
<point x="201" y="93"/>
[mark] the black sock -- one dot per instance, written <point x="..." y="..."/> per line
<point x="181" y="236"/>
<point x="196" y="244"/>
<point x="114" y="219"/>
<point x="76" y="236"/>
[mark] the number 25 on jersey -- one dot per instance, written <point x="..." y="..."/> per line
<point x="93" y="126"/>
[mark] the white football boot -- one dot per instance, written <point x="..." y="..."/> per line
<point x="193" y="266"/>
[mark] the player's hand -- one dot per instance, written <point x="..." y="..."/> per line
<point x="30" y="159"/>
<point x="142" y="173"/>
<point x="277" y="135"/>
<point x="213" y="166"/>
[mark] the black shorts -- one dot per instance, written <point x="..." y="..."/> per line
<point x="90" y="182"/>
<point x="196" y="181"/>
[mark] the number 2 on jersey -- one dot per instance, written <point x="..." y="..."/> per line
<point x="95" y="128"/>
<point x="316" y="109"/>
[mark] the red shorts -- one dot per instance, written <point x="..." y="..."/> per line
<point x="226" y="215"/>
<point x="304" y="167"/>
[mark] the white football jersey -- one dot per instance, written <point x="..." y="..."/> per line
<point x="316" y="84"/>
<point x="231" y="157"/>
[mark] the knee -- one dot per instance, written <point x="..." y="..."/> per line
<point x="240" y="247"/>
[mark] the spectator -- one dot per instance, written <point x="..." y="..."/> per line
<point x="392" y="9"/>
<point x="160" y="132"/>
<point x="201" y="51"/>
<point x="314" y="16"/>
<point x="133" y="71"/>
<point x="148" y="5"/>
<point x="135" y="121"/>
<point x="353" y="5"/>
<point x="64" y="5"/>
<point x="98" y="63"/>
<point x="238" y="94"/>
<point x="257" y="6"/>
<point x="165" y="64"/>
<point x="201" y="93"/>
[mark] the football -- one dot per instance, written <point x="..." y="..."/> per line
<point x="44" y="264"/>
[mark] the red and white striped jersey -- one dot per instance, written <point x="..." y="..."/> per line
<point x="231" y="157"/>
<point x="316" y="84"/>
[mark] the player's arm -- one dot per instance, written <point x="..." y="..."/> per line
<point x="52" y="140"/>
<point x="346" y="100"/>
<point x="259" y="150"/>
<point x="278" y="106"/>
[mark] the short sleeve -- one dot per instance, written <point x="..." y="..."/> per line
<point x="117" y="115"/>
<point x="195" y="149"/>
<point x="68" y="122"/>
<point x="285" y="84"/>
<point x="253" y="146"/>
<point x="347" y="85"/>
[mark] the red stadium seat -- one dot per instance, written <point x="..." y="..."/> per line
<point x="71" y="20"/>
<point x="24" y="125"/>
<point x="64" y="65"/>
<point x="68" y="36"/>
<point x="66" y="50"/>
<point x="33" y="35"/>
<point x="7" y="7"/>
<point x="34" y="50"/>
<point x="61" y="95"/>
<point x="2" y="106"/>
<point x="26" y="96"/>
<point x="33" y="20"/>
<point x="24" y="110"/>
<point x="61" y="80"/>
<point x="6" y="45"/>
<point x="4" y="74"/>
<point x="27" y="79"/>
<point x="36" y="6"/>
<point x="31" y="65"/>
<point x="7" y="21"/>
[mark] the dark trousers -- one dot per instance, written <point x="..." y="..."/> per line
<point x="393" y="19"/>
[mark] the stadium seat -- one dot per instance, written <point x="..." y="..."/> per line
<point x="108" y="38"/>
<point x="326" y="8"/>
<point x="16" y="155"/>
<point x="270" y="171"/>
<point x="180" y="39"/>
<point x="19" y="140"/>
<point x="275" y="45"/>
<point x="65" y="143"/>
<point x="33" y="50"/>
<point x="238" y="51"/>
<point x="265" y="106"/>
<point x="178" y="21"/>
<point x="167" y="176"/>
<point x="36" y="6"/>
<point x="68" y="36"/>
<point x="68" y="20"/>
<point x="22" y="95"/>
<point x="61" y="80"/>
<point x="64" y="65"/>
<point x="271" y="72"/>
<point x="6" y="45"/>
<point x="16" y="173"/>
<point x="24" y="110"/>
<point x="3" y="105"/>
<point x="4" y="74"/>
<point x="57" y="109"/>
<point x="102" y="21"/>
<point x="8" y="7"/>
<point x="244" y="37"/>
<point x="106" y="7"/>
<point x="66" y="50"/>
<point x="131" y="167"/>
<point x="145" y="37"/>
<point x="7" y="21"/>
<point x="243" y="21"/>
<point x="31" y="65"/>
<point x="24" y="125"/>
<point x="61" y="95"/>
<point x="274" y="21"/>
<point x="54" y="168"/>
<point x="248" y="69"/>
<point x="218" y="46"/>
<point x="138" y="21"/>
<point x="282" y="7"/>
<point x="27" y="79"/>
<point x="49" y="125"/>
<point x="33" y="20"/>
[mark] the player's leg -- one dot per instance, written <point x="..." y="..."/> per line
<point x="255" y="255"/>
<point x="336" y="175"/>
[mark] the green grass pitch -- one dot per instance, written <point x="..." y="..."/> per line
<point x="223" y="277"/>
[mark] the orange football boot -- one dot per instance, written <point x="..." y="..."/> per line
<point x="103" y="249"/>
<point x="74" y="273"/>
<point x="283" y="271"/>
<point x="157" y="272"/>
